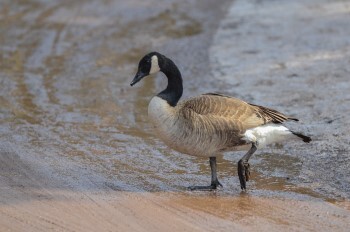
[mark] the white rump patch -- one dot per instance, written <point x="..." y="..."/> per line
<point x="268" y="134"/>
<point x="154" y="65"/>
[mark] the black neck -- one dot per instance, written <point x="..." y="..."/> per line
<point x="173" y="91"/>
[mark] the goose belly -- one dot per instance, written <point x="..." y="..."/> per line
<point x="185" y="141"/>
<point x="174" y="132"/>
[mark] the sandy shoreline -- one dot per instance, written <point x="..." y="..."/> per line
<point x="33" y="201"/>
<point x="121" y="211"/>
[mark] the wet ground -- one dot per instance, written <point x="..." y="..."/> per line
<point x="297" y="62"/>
<point x="78" y="153"/>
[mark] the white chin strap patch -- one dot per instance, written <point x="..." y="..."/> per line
<point x="154" y="65"/>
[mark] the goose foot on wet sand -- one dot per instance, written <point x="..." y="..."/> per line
<point x="244" y="167"/>
<point x="214" y="179"/>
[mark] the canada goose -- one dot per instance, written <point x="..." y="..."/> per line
<point x="210" y="124"/>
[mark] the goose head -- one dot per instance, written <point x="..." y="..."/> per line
<point x="149" y="64"/>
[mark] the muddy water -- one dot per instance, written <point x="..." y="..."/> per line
<point x="69" y="115"/>
<point x="66" y="103"/>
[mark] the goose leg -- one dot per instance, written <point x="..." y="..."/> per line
<point x="214" y="178"/>
<point x="244" y="167"/>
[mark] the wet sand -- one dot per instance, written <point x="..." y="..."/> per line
<point x="31" y="201"/>
<point x="77" y="152"/>
<point x="69" y="211"/>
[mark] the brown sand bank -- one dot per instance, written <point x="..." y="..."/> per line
<point x="120" y="211"/>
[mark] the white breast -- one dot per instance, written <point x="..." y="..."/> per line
<point x="171" y="129"/>
<point x="162" y="116"/>
<point x="159" y="111"/>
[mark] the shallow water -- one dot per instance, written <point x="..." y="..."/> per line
<point x="68" y="112"/>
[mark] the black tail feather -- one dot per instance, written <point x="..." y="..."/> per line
<point x="294" y="119"/>
<point x="305" y="138"/>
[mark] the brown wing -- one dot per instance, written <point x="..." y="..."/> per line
<point x="272" y="115"/>
<point x="232" y="112"/>
<point x="222" y="120"/>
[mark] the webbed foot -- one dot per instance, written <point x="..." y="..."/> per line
<point x="243" y="173"/>
<point x="214" y="185"/>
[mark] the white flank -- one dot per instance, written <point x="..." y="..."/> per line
<point x="268" y="134"/>
<point x="154" y="65"/>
